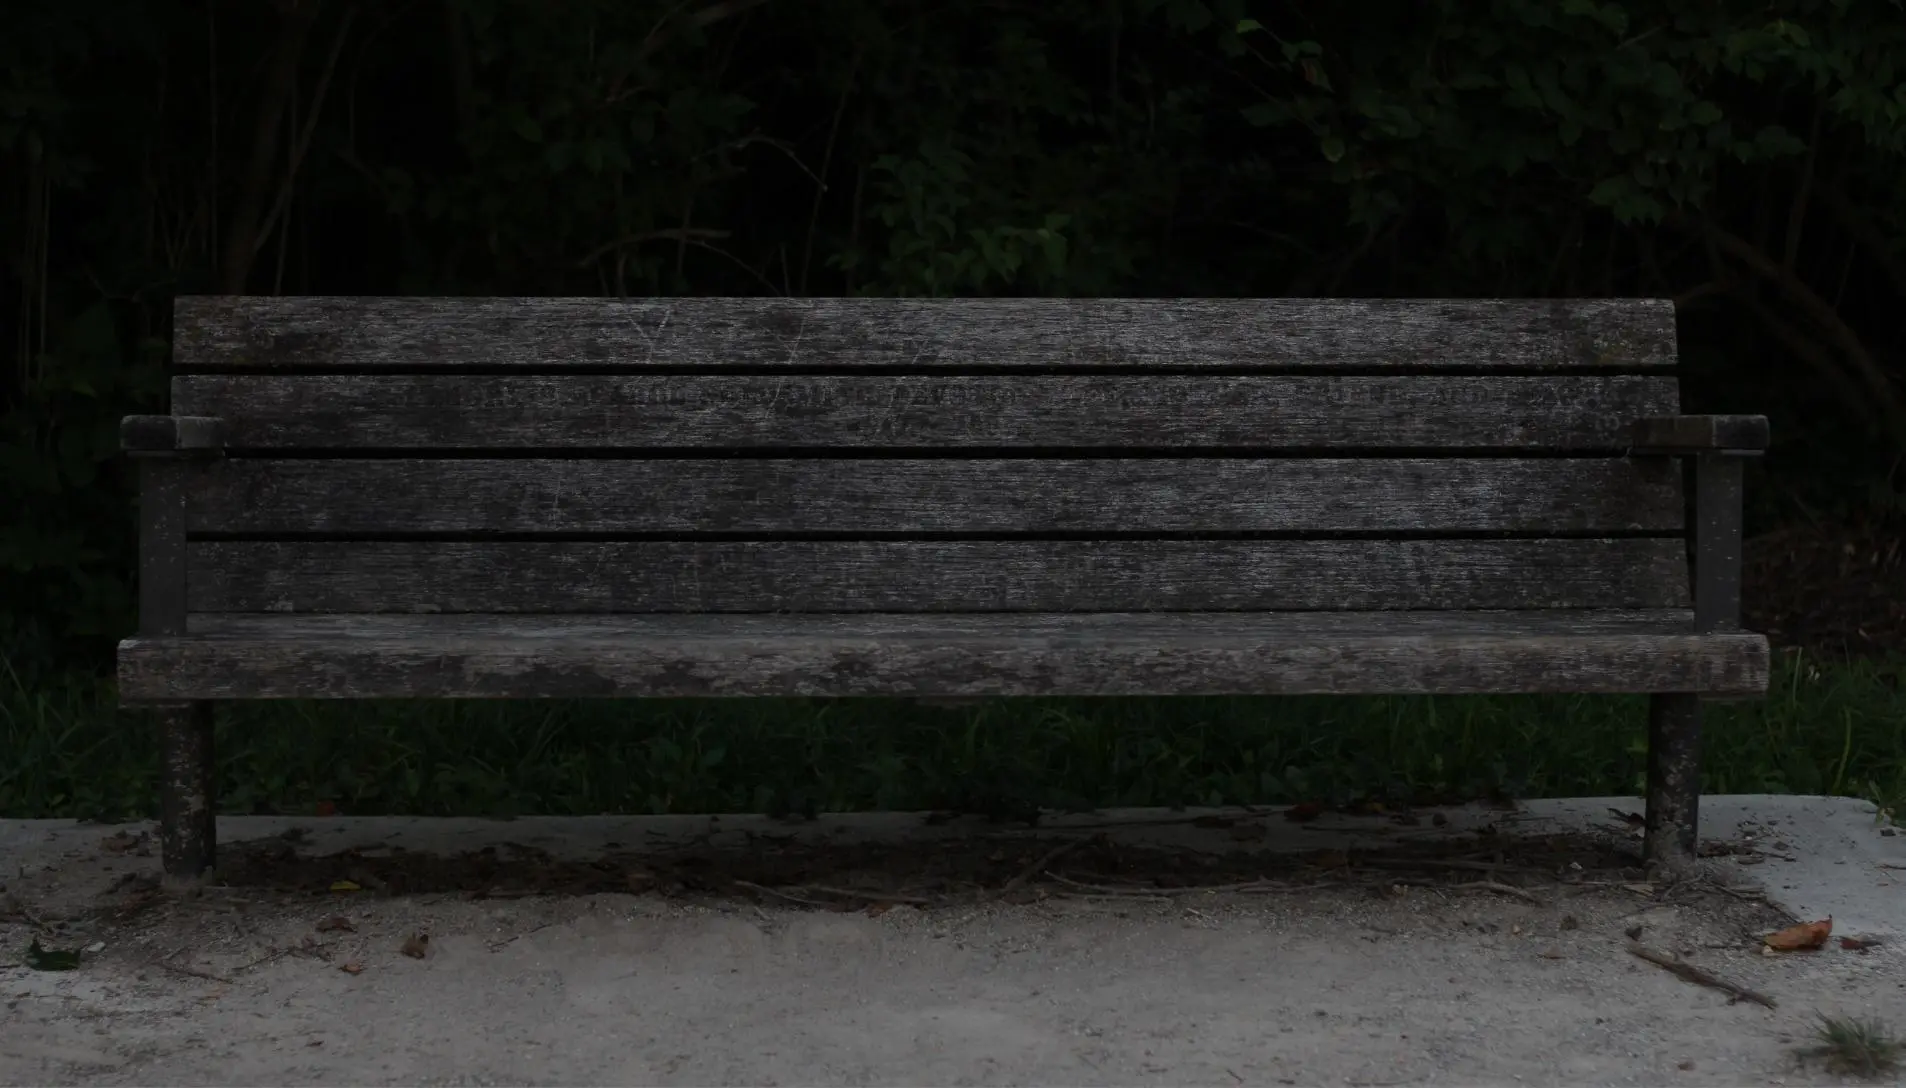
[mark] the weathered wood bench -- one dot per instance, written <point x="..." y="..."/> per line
<point x="526" y="498"/>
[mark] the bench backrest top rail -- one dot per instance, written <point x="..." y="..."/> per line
<point x="291" y="333"/>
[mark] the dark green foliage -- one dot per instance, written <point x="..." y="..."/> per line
<point x="1742" y="156"/>
<point x="50" y="959"/>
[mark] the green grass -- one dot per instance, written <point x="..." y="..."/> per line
<point x="68" y="752"/>
<point x="1861" y="1048"/>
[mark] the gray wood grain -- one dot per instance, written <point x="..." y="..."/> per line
<point x="990" y="495"/>
<point x="808" y="411"/>
<point x="936" y="576"/>
<point x="164" y="564"/>
<point x="485" y="657"/>
<point x="1717" y="537"/>
<point x="264" y="333"/>
<point x="1064" y="626"/>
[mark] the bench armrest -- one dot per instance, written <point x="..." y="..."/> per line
<point x="1713" y="447"/>
<point x="170" y="450"/>
<point x="1668" y="435"/>
<point x="160" y="435"/>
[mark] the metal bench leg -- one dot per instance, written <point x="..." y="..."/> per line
<point x="1674" y="782"/>
<point x="187" y="831"/>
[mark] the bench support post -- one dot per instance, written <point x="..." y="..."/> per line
<point x="188" y="830"/>
<point x="1674" y="720"/>
<point x="1674" y="782"/>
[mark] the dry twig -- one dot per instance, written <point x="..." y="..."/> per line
<point x="1039" y="865"/>
<point x="779" y="894"/>
<point x="1443" y="863"/>
<point x="866" y="893"/>
<point x="1697" y="975"/>
<point x="1151" y="891"/>
<point x="1501" y="889"/>
<point x="1476" y="886"/>
<point x="182" y="969"/>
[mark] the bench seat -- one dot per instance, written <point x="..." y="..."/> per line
<point x="255" y="656"/>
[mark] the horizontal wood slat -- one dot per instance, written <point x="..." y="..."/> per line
<point x="936" y="576"/>
<point x="1062" y="626"/>
<point x="742" y="411"/>
<point x="264" y="333"/>
<point x="1094" y="654"/>
<point x="531" y="495"/>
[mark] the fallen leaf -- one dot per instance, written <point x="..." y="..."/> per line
<point x="1806" y="935"/>
<point x="327" y="808"/>
<point x="351" y="968"/>
<point x="345" y="886"/>
<point x="417" y="946"/>
<point x="875" y="910"/>
<point x="337" y="923"/>
<point x="1308" y="810"/>
<point x="1859" y="944"/>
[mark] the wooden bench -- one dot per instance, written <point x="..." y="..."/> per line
<point x="534" y="498"/>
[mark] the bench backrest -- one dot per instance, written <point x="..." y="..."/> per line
<point x="853" y="455"/>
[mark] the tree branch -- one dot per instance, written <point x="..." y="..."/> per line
<point x="241" y="235"/>
<point x="1879" y="384"/>
<point x="827" y="162"/>
<point x="1867" y="235"/>
<point x="679" y="235"/>
<point x="1797" y="211"/>
<point x="1809" y="350"/>
<point x="659" y="35"/>
<point x="462" y="68"/>
<point x="303" y="143"/>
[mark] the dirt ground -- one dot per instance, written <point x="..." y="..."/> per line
<point x="1151" y="948"/>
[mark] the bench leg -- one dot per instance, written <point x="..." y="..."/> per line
<point x="187" y="831"/>
<point x="1674" y="782"/>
